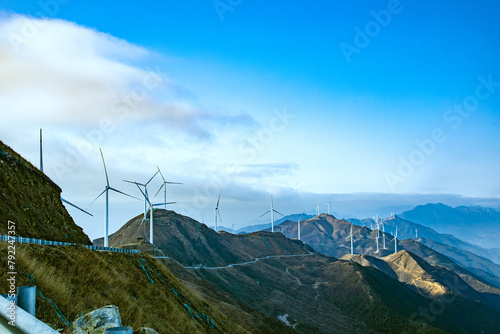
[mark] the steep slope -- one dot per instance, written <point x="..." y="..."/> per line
<point x="309" y="292"/>
<point x="466" y="259"/>
<point x="32" y="201"/>
<point x="74" y="280"/>
<point x="467" y="223"/>
<point x="443" y="276"/>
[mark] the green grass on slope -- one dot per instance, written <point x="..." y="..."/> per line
<point x="32" y="201"/>
<point x="72" y="281"/>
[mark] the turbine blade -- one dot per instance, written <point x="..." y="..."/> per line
<point x="143" y="194"/>
<point x="121" y="192"/>
<point x="105" y="189"/>
<point x="265" y="213"/>
<point x="279" y="213"/>
<point x="160" y="189"/>
<point x="217" y="206"/>
<point x="163" y="203"/>
<point x="67" y="202"/>
<point x="133" y="182"/>
<point x="174" y="182"/>
<point x="160" y="173"/>
<point x="152" y="177"/>
<point x="105" y="171"/>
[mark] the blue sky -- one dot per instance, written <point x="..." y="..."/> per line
<point x="220" y="86"/>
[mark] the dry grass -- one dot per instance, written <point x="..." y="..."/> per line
<point x="31" y="200"/>
<point x="78" y="281"/>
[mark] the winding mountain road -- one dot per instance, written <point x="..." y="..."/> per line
<point x="249" y="262"/>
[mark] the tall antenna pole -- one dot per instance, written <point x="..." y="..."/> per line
<point x="41" y="153"/>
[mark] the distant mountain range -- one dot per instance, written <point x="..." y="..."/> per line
<point x="330" y="236"/>
<point x="283" y="285"/>
<point x="477" y="225"/>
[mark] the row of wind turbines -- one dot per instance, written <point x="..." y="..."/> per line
<point x="149" y="206"/>
<point x="378" y="223"/>
<point x="143" y="188"/>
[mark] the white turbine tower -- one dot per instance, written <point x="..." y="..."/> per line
<point x="298" y="231"/>
<point x="106" y="190"/>
<point x="217" y="211"/>
<point x="416" y="233"/>
<point x="164" y="185"/>
<point x="395" y="240"/>
<point x="383" y="233"/>
<point x="145" y="186"/>
<point x="352" y="244"/>
<point x="317" y="208"/>
<point x="272" y="211"/>
<point x="151" y="210"/>
<point x="41" y="169"/>
<point x="328" y="204"/>
<point x="378" y="229"/>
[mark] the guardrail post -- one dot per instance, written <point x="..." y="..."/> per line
<point x="27" y="298"/>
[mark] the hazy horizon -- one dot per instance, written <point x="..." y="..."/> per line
<point x="377" y="106"/>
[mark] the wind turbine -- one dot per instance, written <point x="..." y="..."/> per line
<point x="383" y="232"/>
<point x="217" y="211"/>
<point x="350" y="236"/>
<point x="298" y="233"/>
<point x="164" y="185"/>
<point x="378" y="229"/>
<point x="151" y="207"/>
<point x="317" y="208"/>
<point x="106" y="190"/>
<point x="416" y="233"/>
<point x="41" y="169"/>
<point x="146" y="197"/>
<point x="329" y="206"/>
<point x="272" y="214"/>
<point x="395" y="240"/>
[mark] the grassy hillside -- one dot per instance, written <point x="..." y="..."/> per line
<point x="32" y="201"/>
<point x="73" y="281"/>
<point x="311" y="293"/>
<point x="192" y="243"/>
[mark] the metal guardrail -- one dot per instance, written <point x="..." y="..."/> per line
<point x="22" y="240"/>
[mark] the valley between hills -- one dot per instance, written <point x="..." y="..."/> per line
<point x="196" y="280"/>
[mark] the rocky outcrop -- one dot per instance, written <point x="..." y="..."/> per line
<point x="96" y="322"/>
